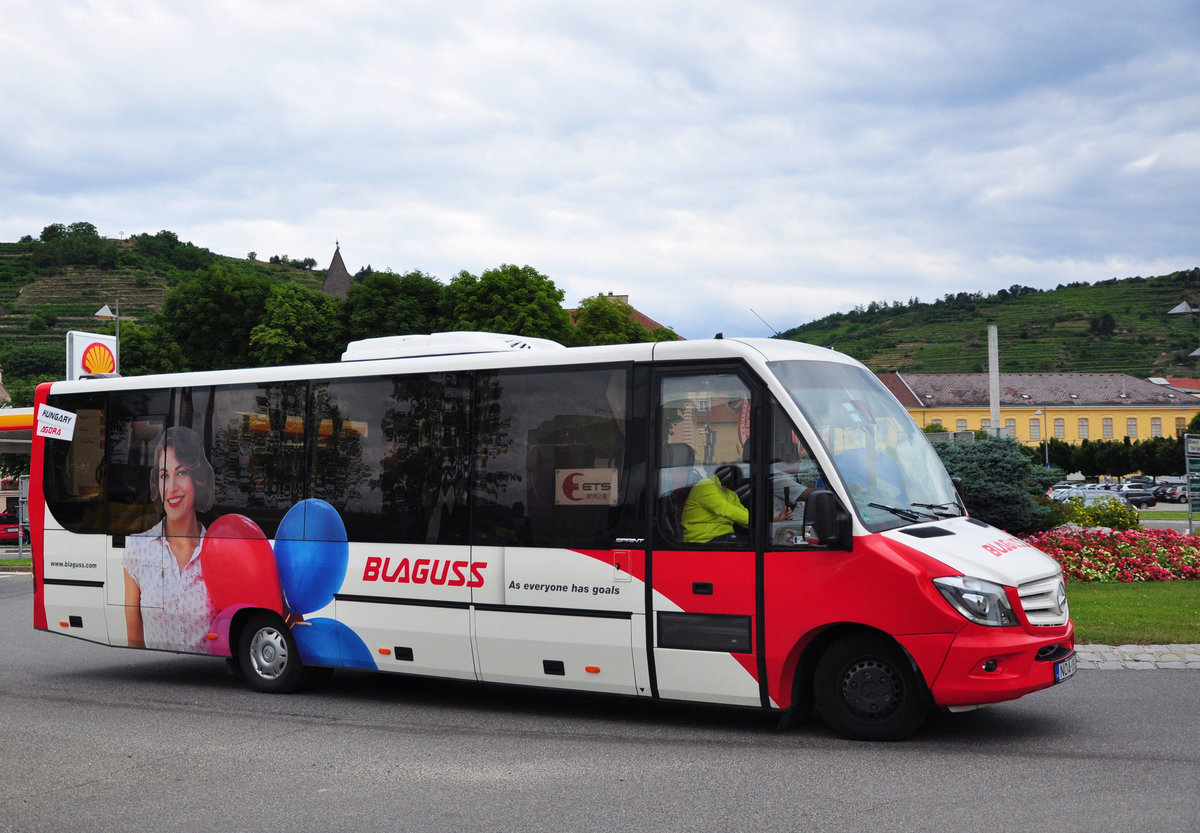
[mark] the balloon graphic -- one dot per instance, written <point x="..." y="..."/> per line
<point x="329" y="642"/>
<point x="238" y="565"/>
<point x="312" y="552"/>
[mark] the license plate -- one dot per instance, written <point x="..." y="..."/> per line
<point x="1064" y="669"/>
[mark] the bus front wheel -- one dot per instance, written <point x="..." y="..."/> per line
<point x="866" y="689"/>
<point x="268" y="657"/>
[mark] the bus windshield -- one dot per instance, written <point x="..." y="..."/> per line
<point x="890" y="470"/>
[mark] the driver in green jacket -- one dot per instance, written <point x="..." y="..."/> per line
<point x="712" y="510"/>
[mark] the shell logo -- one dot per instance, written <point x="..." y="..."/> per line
<point x="97" y="358"/>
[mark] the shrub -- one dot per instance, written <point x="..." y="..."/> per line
<point x="999" y="483"/>
<point x="1112" y="513"/>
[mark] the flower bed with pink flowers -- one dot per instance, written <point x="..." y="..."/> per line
<point x="1130" y="555"/>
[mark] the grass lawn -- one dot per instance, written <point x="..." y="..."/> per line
<point x="1139" y="613"/>
<point x="15" y="562"/>
<point x="1163" y="514"/>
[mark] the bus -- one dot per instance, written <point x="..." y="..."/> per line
<point x="745" y="522"/>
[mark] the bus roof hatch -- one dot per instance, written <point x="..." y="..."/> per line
<point x="441" y="344"/>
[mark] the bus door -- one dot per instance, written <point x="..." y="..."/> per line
<point x="556" y="598"/>
<point x="703" y="566"/>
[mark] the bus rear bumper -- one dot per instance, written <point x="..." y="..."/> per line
<point x="990" y="665"/>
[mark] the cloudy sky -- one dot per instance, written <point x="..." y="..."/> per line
<point x="712" y="160"/>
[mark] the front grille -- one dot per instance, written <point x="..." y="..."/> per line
<point x="1041" y="601"/>
<point x="1052" y="653"/>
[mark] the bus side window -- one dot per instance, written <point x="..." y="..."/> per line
<point x="391" y="455"/>
<point x="258" y="450"/>
<point x="75" y="475"/>
<point x="793" y="476"/>
<point x="550" y="465"/>
<point x="136" y="421"/>
<point x="705" y="475"/>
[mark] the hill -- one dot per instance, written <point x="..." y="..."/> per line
<point x="49" y="287"/>
<point x="1116" y="325"/>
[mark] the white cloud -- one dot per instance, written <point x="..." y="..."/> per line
<point x="706" y="158"/>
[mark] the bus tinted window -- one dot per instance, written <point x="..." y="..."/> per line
<point x="391" y="454"/>
<point x="257" y="448"/>
<point x="74" y="478"/>
<point x="549" y="468"/>
<point x="136" y="421"/>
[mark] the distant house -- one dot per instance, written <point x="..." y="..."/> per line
<point x="1071" y="407"/>
<point x="1188" y="386"/>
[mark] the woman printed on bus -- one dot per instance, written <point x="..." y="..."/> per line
<point x="166" y="601"/>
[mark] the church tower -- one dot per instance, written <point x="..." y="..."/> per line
<point x="337" y="279"/>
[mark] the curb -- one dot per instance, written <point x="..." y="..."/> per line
<point x="1138" y="657"/>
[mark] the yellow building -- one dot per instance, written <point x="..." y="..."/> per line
<point x="1035" y="406"/>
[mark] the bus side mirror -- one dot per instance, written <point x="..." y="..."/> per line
<point x="825" y="521"/>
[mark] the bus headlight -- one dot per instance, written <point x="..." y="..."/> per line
<point x="982" y="602"/>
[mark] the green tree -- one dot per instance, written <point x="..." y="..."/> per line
<point x="1157" y="456"/>
<point x="1062" y="454"/>
<point x="299" y="326"/>
<point x="212" y="315"/>
<point x="384" y="303"/>
<point x="28" y="360"/>
<point x="146" y="348"/>
<point x="999" y="482"/>
<point x="510" y="299"/>
<point x="52" y="232"/>
<point x="23" y="390"/>
<point x="604" y="319"/>
<point x="1087" y="459"/>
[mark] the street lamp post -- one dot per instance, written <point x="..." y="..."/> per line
<point x="105" y="312"/>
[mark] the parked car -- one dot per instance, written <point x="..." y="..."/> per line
<point x="1175" y="494"/>
<point x="1138" y="497"/>
<point x="10" y="529"/>
<point x="1088" y="496"/>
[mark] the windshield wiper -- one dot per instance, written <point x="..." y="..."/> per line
<point x="942" y="506"/>
<point x="907" y="514"/>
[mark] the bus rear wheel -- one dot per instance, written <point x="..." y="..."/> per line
<point x="865" y="688"/>
<point x="268" y="656"/>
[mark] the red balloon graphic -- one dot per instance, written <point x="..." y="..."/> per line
<point x="239" y="566"/>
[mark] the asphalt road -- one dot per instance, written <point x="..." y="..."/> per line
<point x="96" y="738"/>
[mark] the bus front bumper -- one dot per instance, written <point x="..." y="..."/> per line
<point x="991" y="665"/>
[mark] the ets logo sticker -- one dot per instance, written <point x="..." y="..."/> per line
<point x="585" y="487"/>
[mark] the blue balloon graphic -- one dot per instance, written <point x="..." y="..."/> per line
<point x="329" y="642"/>
<point x="312" y="551"/>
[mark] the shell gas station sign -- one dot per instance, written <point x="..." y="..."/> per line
<point x="90" y="354"/>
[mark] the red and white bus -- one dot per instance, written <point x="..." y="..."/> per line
<point x="750" y="522"/>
